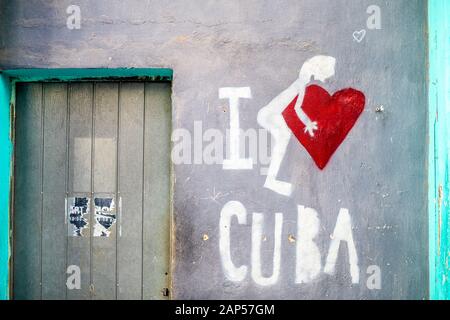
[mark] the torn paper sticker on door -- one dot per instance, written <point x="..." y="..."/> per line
<point x="105" y="216"/>
<point x="78" y="214"/>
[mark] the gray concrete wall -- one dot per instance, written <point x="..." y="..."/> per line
<point x="378" y="173"/>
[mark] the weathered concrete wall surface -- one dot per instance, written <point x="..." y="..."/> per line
<point x="378" y="173"/>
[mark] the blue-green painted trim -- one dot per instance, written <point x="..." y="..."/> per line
<point x="7" y="80"/>
<point x="5" y="173"/>
<point x="439" y="156"/>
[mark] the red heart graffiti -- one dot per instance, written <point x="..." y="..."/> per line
<point x="335" y="116"/>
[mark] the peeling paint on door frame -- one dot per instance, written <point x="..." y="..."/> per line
<point x="8" y="79"/>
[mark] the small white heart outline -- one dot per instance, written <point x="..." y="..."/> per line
<point x="359" y="35"/>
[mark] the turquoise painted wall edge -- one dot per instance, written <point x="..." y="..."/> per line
<point x="5" y="169"/>
<point x="438" y="162"/>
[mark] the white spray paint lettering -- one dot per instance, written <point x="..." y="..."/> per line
<point x="308" y="257"/>
<point x="235" y="162"/>
<point x="232" y="208"/>
<point x="343" y="232"/>
<point x="257" y="235"/>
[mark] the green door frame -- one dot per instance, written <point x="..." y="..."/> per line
<point x="8" y="78"/>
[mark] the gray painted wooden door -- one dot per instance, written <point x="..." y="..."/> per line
<point x="92" y="190"/>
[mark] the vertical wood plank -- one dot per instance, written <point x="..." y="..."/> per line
<point x="54" y="186"/>
<point x="131" y="154"/>
<point x="28" y="199"/>
<point x="156" y="223"/>
<point x="105" y="175"/>
<point x="79" y="184"/>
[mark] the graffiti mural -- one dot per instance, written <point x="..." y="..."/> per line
<point x="320" y="122"/>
